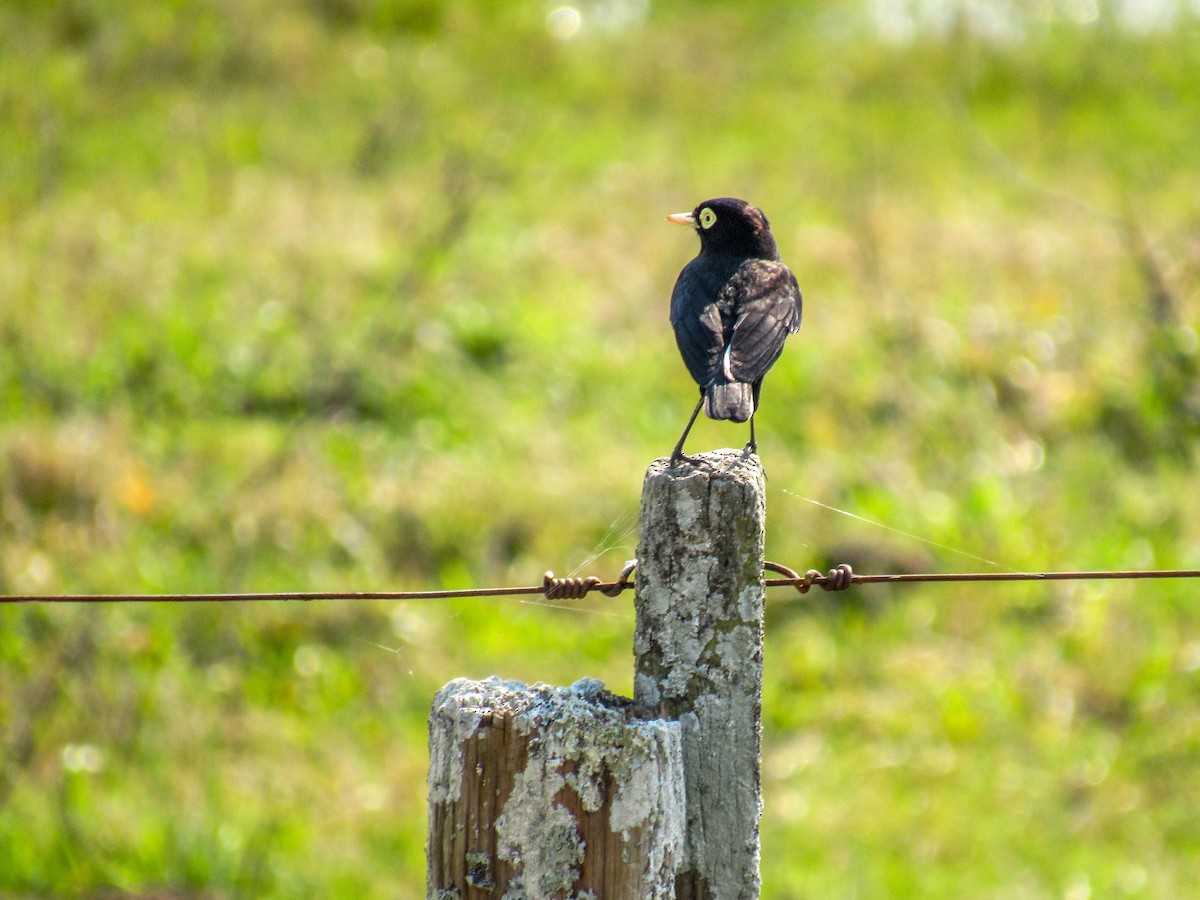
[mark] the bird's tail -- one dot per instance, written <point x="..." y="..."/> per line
<point x="730" y="400"/>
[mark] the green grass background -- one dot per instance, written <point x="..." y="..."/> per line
<point x="363" y="295"/>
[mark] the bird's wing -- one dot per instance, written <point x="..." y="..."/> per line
<point x="697" y="322"/>
<point x="767" y="305"/>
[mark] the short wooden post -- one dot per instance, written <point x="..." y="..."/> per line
<point x="551" y="792"/>
<point x="698" y="649"/>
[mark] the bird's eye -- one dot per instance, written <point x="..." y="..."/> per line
<point x="708" y="218"/>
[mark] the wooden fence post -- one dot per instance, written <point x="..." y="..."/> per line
<point x="573" y="792"/>
<point x="698" y="649"/>
<point x="551" y="792"/>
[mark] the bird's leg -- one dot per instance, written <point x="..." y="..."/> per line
<point x="752" y="447"/>
<point x="677" y="453"/>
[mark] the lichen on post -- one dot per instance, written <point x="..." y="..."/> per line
<point x="698" y="650"/>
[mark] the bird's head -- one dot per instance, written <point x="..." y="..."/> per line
<point x="729" y="225"/>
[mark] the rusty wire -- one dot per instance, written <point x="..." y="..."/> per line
<point x="839" y="578"/>
<point x="551" y="588"/>
<point x="842" y="577"/>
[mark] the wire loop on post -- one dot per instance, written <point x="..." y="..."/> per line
<point x="622" y="581"/>
<point x="789" y="574"/>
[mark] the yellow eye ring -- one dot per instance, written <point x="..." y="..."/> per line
<point x="708" y="218"/>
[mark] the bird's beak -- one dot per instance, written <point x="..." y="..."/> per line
<point x="686" y="218"/>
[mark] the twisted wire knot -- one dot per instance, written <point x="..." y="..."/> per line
<point x="578" y="588"/>
<point x="567" y="588"/>
<point x="838" y="579"/>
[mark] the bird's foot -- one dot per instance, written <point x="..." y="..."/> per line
<point x="678" y="456"/>
<point x="751" y="449"/>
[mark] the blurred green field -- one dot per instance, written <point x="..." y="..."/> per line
<point x="356" y="295"/>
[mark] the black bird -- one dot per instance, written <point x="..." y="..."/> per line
<point x="732" y="307"/>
